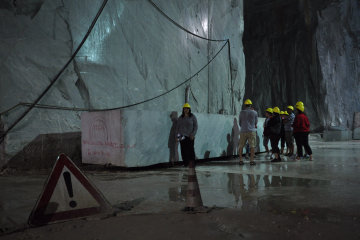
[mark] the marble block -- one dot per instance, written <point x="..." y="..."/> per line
<point x="135" y="138"/>
<point x="132" y="54"/>
<point x="344" y="135"/>
<point x="356" y="132"/>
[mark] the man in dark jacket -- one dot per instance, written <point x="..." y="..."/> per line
<point x="266" y="133"/>
<point x="274" y="125"/>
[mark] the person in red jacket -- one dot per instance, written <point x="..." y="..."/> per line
<point x="301" y="129"/>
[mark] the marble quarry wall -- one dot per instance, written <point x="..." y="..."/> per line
<point x="295" y="50"/>
<point x="356" y="132"/>
<point x="304" y="50"/>
<point x="134" y="138"/>
<point x="132" y="54"/>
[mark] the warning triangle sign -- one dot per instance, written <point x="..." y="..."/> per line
<point x="67" y="194"/>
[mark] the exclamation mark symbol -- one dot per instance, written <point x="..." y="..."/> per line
<point x="67" y="178"/>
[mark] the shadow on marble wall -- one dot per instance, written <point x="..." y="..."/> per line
<point x="207" y="154"/>
<point x="173" y="145"/>
<point x="235" y="132"/>
<point x="42" y="152"/>
<point x="230" y="146"/>
<point x="232" y="140"/>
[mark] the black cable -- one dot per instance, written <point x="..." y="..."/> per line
<point x="59" y="73"/>
<point x="231" y="79"/>
<point x="12" y="108"/>
<point x="108" y="109"/>
<point x="181" y="27"/>
<point x="150" y="99"/>
<point x="36" y="105"/>
<point x="45" y="107"/>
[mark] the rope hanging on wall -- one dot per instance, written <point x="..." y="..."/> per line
<point x="122" y="107"/>
<point x="36" y="105"/>
<point x="59" y="73"/>
<point x="181" y="27"/>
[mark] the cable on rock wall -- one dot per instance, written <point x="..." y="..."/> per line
<point x="116" y="108"/>
<point x="59" y="73"/>
<point x="181" y="27"/>
<point x="36" y="105"/>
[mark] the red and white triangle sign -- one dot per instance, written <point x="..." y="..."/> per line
<point x="67" y="194"/>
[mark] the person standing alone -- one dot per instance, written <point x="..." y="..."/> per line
<point x="248" y="119"/>
<point x="186" y="129"/>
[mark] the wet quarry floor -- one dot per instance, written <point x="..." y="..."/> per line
<point x="317" y="199"/>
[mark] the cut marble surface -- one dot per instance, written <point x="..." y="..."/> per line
<point x="356" y="131"/>
<point x="304" y="51"/>
<point x="135" y="138"/>
<point x="132" y="54"/>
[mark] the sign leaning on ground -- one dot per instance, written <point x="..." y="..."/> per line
<point x="67" y="194"/>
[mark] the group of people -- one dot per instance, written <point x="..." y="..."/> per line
<point x="278" y="125"/>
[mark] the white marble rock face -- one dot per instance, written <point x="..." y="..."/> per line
<point x="356" y="124"/>
<point x="338" y="48"/>
<point x="132" y="54"/>
<point x="312" y="55"/>
<point x="134" y="138"/>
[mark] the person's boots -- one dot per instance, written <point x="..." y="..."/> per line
<point x="276" y="159"/>
<point x="291" y="153"/>
<point x="267" y="149"/>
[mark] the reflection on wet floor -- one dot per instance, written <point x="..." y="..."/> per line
<point x="178" y="193"/>
<point x="331" y="181"/>
<point x="241" y="187"/>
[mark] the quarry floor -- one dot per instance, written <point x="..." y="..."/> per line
<point x="303" y="199"/>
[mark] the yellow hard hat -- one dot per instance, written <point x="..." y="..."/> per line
<point x="300" y="106"/>
<point x="248" y="102"/>
<point x="270" y="110"/>
<point x="282" y="113"/>
<point x="286" y="113"/>
<point x="290" y="107"/>
<point x="299" y="103"/>
<point x="186" y="105"/>
<point x="276" y="110"/>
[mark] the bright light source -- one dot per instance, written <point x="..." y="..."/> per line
<point x="204" y="24"/>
